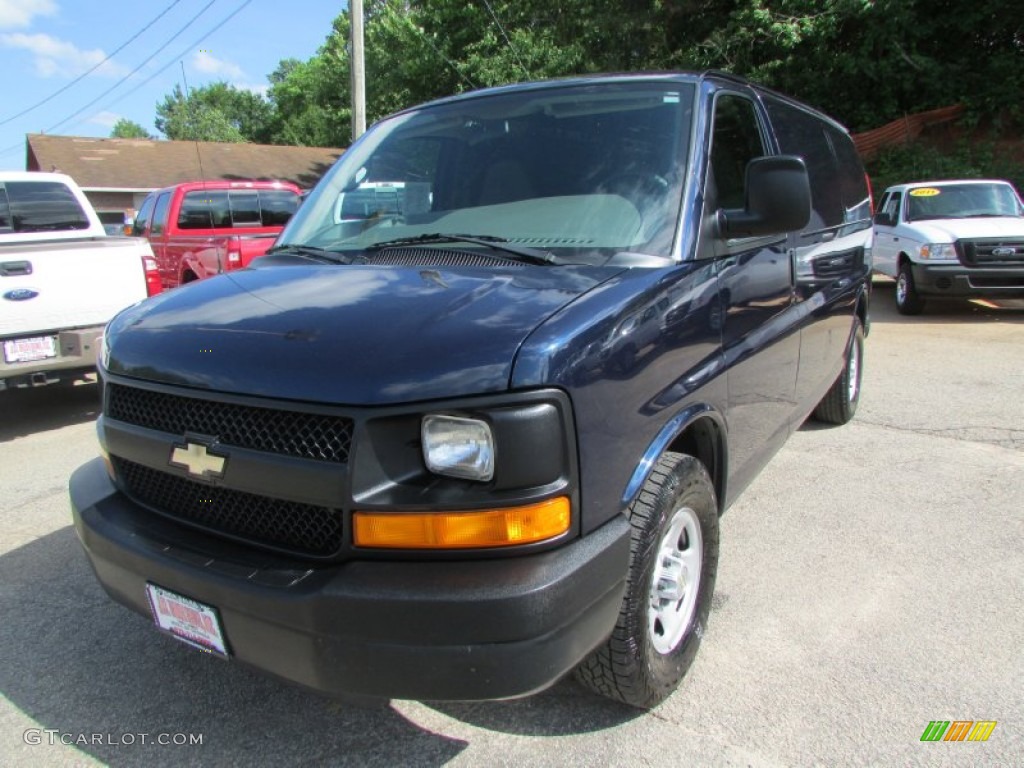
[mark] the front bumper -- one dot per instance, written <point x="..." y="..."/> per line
<point x="452" y="630"/>
<point x="958" y="281"/>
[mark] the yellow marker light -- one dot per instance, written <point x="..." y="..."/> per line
<point x="462" y="530"/>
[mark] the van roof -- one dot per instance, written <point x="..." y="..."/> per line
<point x="681" y="76"/>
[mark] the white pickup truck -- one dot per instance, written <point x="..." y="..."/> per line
<point x="955" y="239"/>
<point x="61" y="279"/>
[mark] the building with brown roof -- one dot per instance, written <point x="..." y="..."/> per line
<point x="116" y="174"/>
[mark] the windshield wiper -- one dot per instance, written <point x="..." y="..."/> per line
<point x="532" y="255"/>
<point x="310" y="251"/>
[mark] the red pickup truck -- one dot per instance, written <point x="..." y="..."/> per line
<point x="202" y="228"/>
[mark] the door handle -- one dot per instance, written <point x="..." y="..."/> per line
<point x="15" y="268"/>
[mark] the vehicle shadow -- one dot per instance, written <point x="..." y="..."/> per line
<point x="563" y="710"/>
<point x="77" y="665"/>
<point x="77" y="668"/>
<point x="942" y="311"/>
<point x="27" y="411"/>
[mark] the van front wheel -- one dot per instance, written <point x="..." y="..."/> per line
<point x="673" y="563"/>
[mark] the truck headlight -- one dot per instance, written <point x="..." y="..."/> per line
<point x="458" y="447"/>
<point x="938" y="252"/>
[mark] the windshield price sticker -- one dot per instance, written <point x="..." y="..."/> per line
<point x="925" y="192"/>
<point x="188" y="620"/>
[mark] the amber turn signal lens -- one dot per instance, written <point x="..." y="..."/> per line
<point x="462" y="530"/>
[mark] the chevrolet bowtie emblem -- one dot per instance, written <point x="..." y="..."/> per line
<point x="197" y="460"/>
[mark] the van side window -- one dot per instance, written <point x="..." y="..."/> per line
<point x="736" y="141"/>
<point x="160" y="213"/>
<point x="854" y="183"/>
<point x="801" y="133"/>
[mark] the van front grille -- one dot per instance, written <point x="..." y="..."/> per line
<point x="287" y="526"/>
<point x="323" y="437"/>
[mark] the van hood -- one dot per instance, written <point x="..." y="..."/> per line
<point x="948" y="230"/>
<point x="346" y="335"/>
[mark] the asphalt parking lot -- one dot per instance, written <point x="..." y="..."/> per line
<point x="872" y="581"/>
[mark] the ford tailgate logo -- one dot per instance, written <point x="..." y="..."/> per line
<point x="21" y="294"/>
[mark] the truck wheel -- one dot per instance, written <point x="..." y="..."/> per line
<point x="840" y="403"/>
<point x="672" y="568"/>
<point x="908" y="301"/>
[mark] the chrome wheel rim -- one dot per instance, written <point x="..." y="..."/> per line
<point x="853" y="374"/>
<point x="901" y="288"/>
<point x="675" y="581"/>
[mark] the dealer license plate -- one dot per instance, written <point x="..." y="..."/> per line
<point x="188" y="620"/>
<point x="27" y="350"/>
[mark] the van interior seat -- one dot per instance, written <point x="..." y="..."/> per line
<point x="505" y="181"/>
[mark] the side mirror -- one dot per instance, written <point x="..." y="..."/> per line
<point x="778" y="199"/>
<point x="885" y="219"/>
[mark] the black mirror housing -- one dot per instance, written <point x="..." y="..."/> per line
<point x="778" y="193"/>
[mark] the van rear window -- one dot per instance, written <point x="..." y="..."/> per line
<point x="40" y="206"/>
<point x="219" y="209"/>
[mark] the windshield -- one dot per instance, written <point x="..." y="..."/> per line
<point x="583" y="172"/>
<point x="962" y="201"/>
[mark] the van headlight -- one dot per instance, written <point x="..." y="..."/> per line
<point x="938" y="252"/>
<point x="456" y="446"/>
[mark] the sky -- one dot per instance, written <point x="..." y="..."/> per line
<point x="93" y="62"/>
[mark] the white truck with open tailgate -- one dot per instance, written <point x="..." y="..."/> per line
<point x="61" y="279"/>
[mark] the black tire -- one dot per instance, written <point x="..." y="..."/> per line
<point x="629" y="666"/>
<point x="840" y="402"/>
<point x="908" y="300"/>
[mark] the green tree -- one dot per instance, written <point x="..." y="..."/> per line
<point x="864" y="61"/>
<point x="128" y="129"/>
<point x="216" y="112"/>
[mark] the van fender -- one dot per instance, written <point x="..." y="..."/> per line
<point x="668" y="434"/>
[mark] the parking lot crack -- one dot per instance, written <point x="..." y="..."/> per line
<point x="1004" y="437"/>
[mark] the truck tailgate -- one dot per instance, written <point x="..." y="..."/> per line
<point x="57" y="284"/>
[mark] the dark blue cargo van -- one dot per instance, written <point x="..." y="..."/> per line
<point x="480" y="436"/>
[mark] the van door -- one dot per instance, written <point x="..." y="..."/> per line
<point x="755" y="297"/>
<point x="832" y="251"/>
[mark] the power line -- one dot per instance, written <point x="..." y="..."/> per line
<point x="145" y="61"/>
<point x="180" y="55"/>
<point x="426" y="38"/>
<point x="85" y="74"/>
<point x="192" y="46"/>
<point x="507" y="40"/>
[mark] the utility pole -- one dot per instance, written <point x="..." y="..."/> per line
<point x="358" y="68"/>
